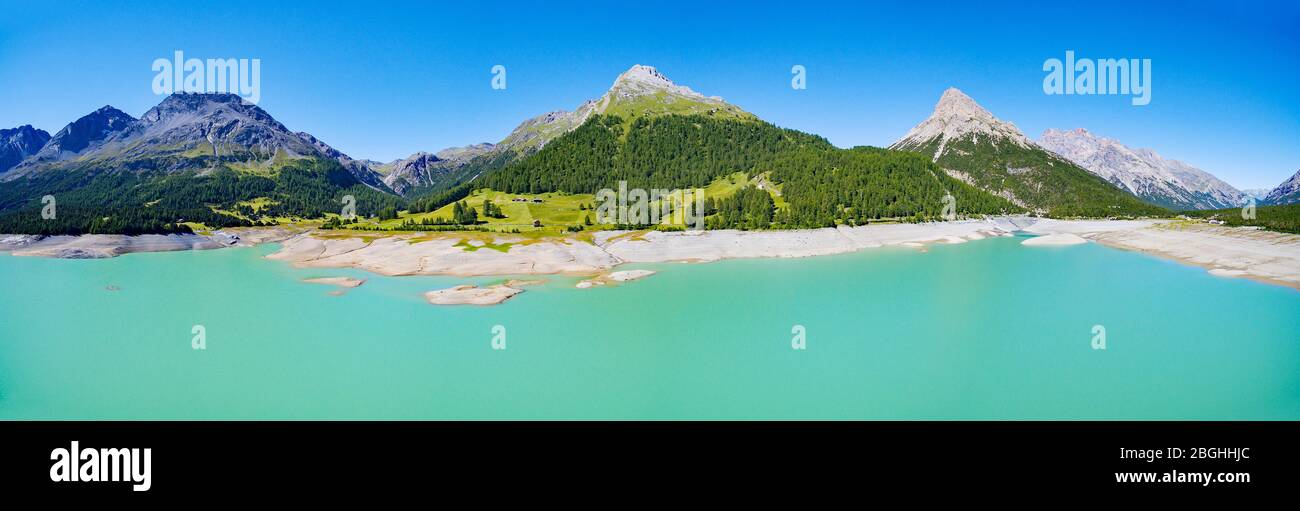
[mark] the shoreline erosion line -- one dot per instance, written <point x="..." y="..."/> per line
<point x="1224" y="251"/>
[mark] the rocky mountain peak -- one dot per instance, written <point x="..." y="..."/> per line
<point x="25" y="133"/>
<point x="955" y="104"/>
<point x="87" y="132"/>
<point x="957" y="116"/>
<point x="642" y="80"/>
<point x="645" y="74"/>
<point x="18" y="143"/>
<point x="640" y="91"/>
<point x="189" y="106"/>
<point x="187" y="131"/>
<point x="222" y="121"/>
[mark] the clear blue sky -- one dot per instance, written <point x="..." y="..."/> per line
<point x="381" y="81"/>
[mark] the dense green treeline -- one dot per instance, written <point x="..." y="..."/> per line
<point x="749" y="208"/>
<point x="822" y="185"/>
<point x="1038" y="179"/>
<point x="93" y="201"/>
<point x="1274" y="218"/>
<point x="661" y="152"/>
<point x="855" y="186"/>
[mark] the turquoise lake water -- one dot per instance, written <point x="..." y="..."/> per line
<point x="982" y="330"/>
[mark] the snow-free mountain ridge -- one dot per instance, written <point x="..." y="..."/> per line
<point x="1163" y="182"/>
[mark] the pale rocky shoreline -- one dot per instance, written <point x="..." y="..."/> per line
<point x="100" y="246"/>
<point x="1226" y="251"/>
<point x="1246" y="252"/>
<point x="1259" y="255"/>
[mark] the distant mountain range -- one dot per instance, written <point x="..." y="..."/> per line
<point x="203" y="158"/>
<point x="183" y="132"/>
<point x="218" y="160"/>
<point x="425" y="170"/>
<point x="1167" y="183"/>
<point x="972" y="145"/>
<point x="1256" y="193"/>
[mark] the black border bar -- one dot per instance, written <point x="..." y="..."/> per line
<point x="233" y="458"/>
